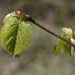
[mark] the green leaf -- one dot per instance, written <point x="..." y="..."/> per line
<point x="61" y="44"/>
<point x="58" y="47"/>
<point x="66" y="47"/>
<point x="15" y="36"/>
<point x="23" y="38"/>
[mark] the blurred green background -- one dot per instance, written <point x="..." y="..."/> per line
<point x="38" y="58"/>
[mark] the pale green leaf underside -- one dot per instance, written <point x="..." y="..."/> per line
<point x="15" y="36"/>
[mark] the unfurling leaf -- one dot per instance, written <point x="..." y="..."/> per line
<point x="15" y="35"/>
<point x="61" y="44"/>
<point x="69" y="32"/>
<point x="66" y="47"/>
<point x="58" y="47"/>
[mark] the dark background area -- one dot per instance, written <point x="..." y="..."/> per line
<point x="39" y="58"/>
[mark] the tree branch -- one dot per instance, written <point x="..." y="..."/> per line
<point x="28" y="17"/>
<point x="50" y="32"/>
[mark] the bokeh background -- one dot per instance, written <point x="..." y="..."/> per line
<point x="39" y="58"/>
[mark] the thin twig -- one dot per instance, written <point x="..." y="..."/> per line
<point x="50" y="32"/>
<point x="28" y="17"/>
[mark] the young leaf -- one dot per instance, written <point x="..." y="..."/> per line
<point x="15" y="36"/>
<point x="23" y="37"/>
<point x="69" y="32"/>
<point x="61" y="44"/>
<point x="66" y="47"/>
<point x="58" y="47"/>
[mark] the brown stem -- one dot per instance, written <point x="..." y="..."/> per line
<point x="50" y="32"/>
<point x="28" y="17"/>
